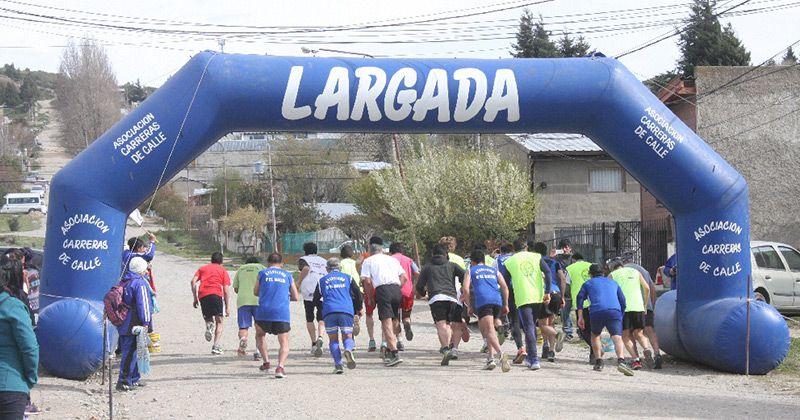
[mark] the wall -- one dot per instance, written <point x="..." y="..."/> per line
<point x="755" y="126"/>
<point x="567" y="199"/>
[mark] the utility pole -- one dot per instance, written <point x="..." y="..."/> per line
<point x="225" y="176"/>
<point x="272" y="199"/>
<point x="221" y="43"/>
<point x="399" y="160"/>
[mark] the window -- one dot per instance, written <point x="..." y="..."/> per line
<point x="767" y="257"/>
<point x="606" y="180"/>
<point x="792" y="257"/>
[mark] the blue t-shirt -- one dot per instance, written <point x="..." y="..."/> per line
<point x="485" y="287"/>
<point x="335" y="291"/>
<point x="554" y="267"/>
<point x="672" y="262"/>
<point x="604" y="293"/>
<point x="501" y="266"/>
<point x="274" y="286"/>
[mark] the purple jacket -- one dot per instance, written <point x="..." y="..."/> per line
<point x="136" y="294"/>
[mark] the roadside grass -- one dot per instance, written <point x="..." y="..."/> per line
<point x="25" y="222"/>
<point x="791" y="364"/>
<point x="22" y="241"/>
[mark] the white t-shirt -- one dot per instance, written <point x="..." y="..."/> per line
<point x="317" y="269"/>
<point x="382" y="269"/>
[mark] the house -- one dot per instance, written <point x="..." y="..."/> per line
<point x="575" y="180"/>
<point x="749" y="116"/>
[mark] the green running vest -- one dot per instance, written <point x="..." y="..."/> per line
<point x="526" y="277"/>
<point x="628" y="280"/>
<point x="578" y="274"/>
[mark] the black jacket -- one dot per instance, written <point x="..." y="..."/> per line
<point x="438" y="277"/>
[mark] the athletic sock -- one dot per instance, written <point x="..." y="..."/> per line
<point x="337" y="355"/>
<point x="349" y="344"/>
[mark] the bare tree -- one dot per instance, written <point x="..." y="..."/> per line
<point x="88" y="98"/>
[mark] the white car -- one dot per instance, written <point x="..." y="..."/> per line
<point x="776" y="274"/>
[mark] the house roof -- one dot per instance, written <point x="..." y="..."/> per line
<point x="238" y="146"/>
<point x="364" y="166"/>
<point x="336" y="210"/>
<point x="556" y="143"/>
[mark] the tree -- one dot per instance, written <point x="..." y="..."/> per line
<point x="28" y="92"/>
<point x="789" y="58"/>
<point x="452" y="192"/>
<point x="135" y="93"/>
<point x="299" y="217"/>
<point x="87" y="95"/>
<point x="532" y="39"/>
<point x="224" y="199"/>
<point x="569" y="47"/>
<point x="245" y="222"/>
<point x="657" y="82"/>
<point x="706" y="43"/>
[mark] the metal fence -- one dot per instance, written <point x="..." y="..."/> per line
<point x="645" y="241"/>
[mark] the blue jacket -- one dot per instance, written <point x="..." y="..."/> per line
<point x="128" y="255"/>
<point x="604" y="294"/>
<point x="338" y="293"/>
<point x="136" y="294"/>
<point x="19" y="350"/>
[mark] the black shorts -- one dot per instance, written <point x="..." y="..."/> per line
<point x="274" y="327"/>
<point x="388" y="300"/>
<point x="649" y="319"/>
<point x="445" y="310"/>
<point x="309" y="306"/>
<point x="211" y="306"/>
<point x="552" y="308"/>
<point x="633" y="321"/>
<point x="486" y="310"/>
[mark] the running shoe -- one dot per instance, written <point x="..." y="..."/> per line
<point x="598" y="365"/>
<point x="371" y="347"/>
<point x="485" y="348"/>
<point x="400" y="346"/>
<point x="648" y="359"/>
<point x="123" y="387"/>
<point x="242" y="350"/>
<point x="32" y="409"/>
<point x="409" y="333"/>
<point x="623" y="367"/>
<point x="533" y="364"/>
<point x="636" y="364"/>
<point x="140" y="384"/>
<point x="351" y="359"/>
<point x="209" y="331"/>
<point x="447" y="357"/>
<point x="443" y="350"/>
<point x="313" y="349"/>
<point x="216" y="350"/>
<point x="521" y="355"/>
<point x="338" y="370"/>
<point x="592" y="358"/>
<point x="454" y="354"/>
<point x="318" y="349"/>
<point x="490" y="364"/>
<point x="280" y="373"/>
<point x="264" y="366"/>
<point x="659" y="362"/>
<point x="256" y="356"/>
<point x="551" y="356"/>
<point x="505" y="366"/>
<point x="384" y="348"/>
<point x="560" y="341"/>
<point x="393" y="359"/>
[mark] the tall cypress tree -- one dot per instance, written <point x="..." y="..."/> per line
<point x="706" y="43"/>
<point x="789" y="58"/>
<point x="533" y="40"/>
<point x="573" y="47"/>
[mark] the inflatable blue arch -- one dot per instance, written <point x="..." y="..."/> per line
<point x="214" y="94"/>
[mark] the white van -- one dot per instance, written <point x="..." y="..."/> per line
<point x="23" y="203"/>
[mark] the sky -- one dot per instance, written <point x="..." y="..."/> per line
<point x="611" y="27"/>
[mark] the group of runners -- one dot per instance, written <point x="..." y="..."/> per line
<point x="516" y="291"/>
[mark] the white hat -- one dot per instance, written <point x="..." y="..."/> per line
<point x="138" y="265"/>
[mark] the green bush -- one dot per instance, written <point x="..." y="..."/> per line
<point x="13" y="224"/>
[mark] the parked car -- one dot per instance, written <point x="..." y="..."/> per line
<point x="23" y="203"/>
<point x="38" y="189"/>
<point x="32" y="176"/>
<point x="776" y="274"/>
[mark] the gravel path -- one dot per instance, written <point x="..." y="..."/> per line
<point x="188" y="382"/>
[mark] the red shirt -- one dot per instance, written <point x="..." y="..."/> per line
<point x="213" y="278"/>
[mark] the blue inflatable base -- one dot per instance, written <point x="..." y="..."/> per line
<point x="75" y="328"/>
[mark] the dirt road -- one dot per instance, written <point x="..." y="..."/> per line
<point x="188" y="382"/>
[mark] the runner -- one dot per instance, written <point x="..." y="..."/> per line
<point x="275" y="288"/>
<point x="649" y="318"/>
<point x="412" y="272"/>
<point x="512" y="318"/>
<point x="635" y="288"/>
<point x="531" y="279"/>
<point x="450" y="243"/>
<point x="578" y="273"/>
<point x="386" y="276"/>
<point x="348" y="266"/>
<point x="312" y="268"/>
<point x="246" y="301"/>
<point x="489" y="292"/>
<point x="369" y="301"/>
<point x="135" y="296"/>
<point x="437" y="281"/>
<point x="137" y="248"/>
<point x="607" y="306"/>
<point x="554" y="338"/>
<point x="341" y="299"/>
<point x="563" y="254"/>
<point x="212" y="291"/>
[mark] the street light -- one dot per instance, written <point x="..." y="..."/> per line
<point x="315" y="51"/>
